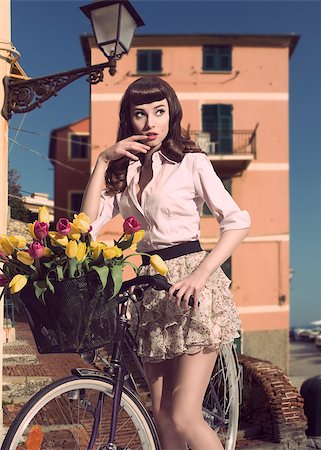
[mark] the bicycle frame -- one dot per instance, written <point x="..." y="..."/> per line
<point x="114" y="372"/>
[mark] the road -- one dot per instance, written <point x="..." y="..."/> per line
<point x="305" y="361"/>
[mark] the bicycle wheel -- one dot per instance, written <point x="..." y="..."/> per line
<point x="65" y="412"/>
<point x="221" y="401"/>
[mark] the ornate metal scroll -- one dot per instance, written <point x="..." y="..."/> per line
<point x="22" y="96"/>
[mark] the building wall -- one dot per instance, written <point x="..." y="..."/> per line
<point x="67" y="180"/>
<point x="257" y="87"/>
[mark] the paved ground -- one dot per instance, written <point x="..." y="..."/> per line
<point x="25" y="371"/>
<point x="305" y="361"/>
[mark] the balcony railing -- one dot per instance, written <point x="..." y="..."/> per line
<point x="226" y="142"/>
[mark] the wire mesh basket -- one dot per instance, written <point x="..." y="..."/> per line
<point x="77" y="318"/>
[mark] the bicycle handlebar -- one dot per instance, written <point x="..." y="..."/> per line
<point x="158" y="282"/>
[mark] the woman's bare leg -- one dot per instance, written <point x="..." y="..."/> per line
<point x="192" y="375"/>
<point x="161" y="380"/>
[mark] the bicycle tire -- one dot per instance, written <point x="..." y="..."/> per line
<point x="47" y="408"/>
<point x="221" y="401"/>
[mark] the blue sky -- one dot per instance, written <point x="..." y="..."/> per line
<point x="46" y="33"/>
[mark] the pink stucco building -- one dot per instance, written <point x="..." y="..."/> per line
<point x="234" y="90"/>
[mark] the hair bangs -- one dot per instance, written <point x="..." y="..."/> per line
<point x="146" y="94"/>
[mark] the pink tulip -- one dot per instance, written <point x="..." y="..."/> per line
<point x="63" y="226"/>
<point x="41" y="229"/>
<point x="36" y="249"/>
<point x="3" y="280"/>
<point x="131" y="225"/>
<point x="3" y="256"/>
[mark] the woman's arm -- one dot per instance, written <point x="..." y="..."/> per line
<point x="128" y="147"/>
<point x="194" y="283"/>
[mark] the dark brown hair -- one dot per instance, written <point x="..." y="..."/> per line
<point x="149" y="89"/>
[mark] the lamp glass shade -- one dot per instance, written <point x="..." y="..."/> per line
<point x="114" y="24"/>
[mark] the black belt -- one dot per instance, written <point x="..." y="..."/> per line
<point x="174" y="251"/>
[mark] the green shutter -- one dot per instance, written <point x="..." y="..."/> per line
<point x="217" y="120"/>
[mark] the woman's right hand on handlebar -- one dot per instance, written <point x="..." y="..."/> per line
<point x="128" y="147"/>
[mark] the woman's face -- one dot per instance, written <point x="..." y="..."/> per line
<point x="152" y="120"/>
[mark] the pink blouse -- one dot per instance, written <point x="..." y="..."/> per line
<point x="172" y="201"/>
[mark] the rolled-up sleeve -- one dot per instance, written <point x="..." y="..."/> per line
<point x="108" y="208"/>
<point x="211" y="189"/>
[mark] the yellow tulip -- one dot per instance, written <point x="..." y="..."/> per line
<point x="6" y="246"/>
<point x="31" y="227"/>
<point x="47" y="252"/>
<point x="81" y="253"/>
<point x="133" y="247"/>
<point x="71" y="249"/>
<point x="18" y="241"/>
<point x="82" y="222"/>
<point x="43" y="214"/>
<point x="158" y="264"/>
<point x="74" y="233"/>
<point x="138" y="236"/>
<point x="96" y="252"/>
<point x="58" y="239"/>
<point x="112" y="252"/>
<point x="25" y="258"/>
<point x="17" y="283"/>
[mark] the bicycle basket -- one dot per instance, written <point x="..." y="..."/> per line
<point x="75" y="319"/>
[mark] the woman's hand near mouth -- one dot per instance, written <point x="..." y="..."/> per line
<point x="128" y="147"/>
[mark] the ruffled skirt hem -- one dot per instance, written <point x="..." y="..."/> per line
<point x="163" y="331"/>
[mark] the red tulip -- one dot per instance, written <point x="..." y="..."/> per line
<point x="63" y="226"/>
<point x="36" y="249"/>
<point x="131" y="225"/>
<point x="41" y="229"/>
<point x="3" y="280"/>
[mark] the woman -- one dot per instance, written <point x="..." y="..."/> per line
<point x="163" y="179"/>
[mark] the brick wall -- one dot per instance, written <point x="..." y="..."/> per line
<point x="272" y="405"/>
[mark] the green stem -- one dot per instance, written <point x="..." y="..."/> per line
<point x="136" y="254"/>
<point x="38" y="269"/>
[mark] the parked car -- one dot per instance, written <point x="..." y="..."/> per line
<point x="318" y="340"/>
<point x="309" y="334"/>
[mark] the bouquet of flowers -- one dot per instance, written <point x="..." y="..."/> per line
<point x="67" y="252"/>
<point x="66" y="279"/>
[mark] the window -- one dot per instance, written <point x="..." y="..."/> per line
<point x="79" y="146"/>
<point x="217" y="58"/>
<point x="75" y="202"/>
<point x="149" y="61"/>
<point x="217" y="120"/>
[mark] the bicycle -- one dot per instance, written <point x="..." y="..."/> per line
<point x="100" y="409"/>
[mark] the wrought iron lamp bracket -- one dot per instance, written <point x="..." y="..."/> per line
<point x="22" y="96"/>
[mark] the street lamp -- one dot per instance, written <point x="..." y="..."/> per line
<point x="114" y="24"/>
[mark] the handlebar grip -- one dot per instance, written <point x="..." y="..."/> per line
<point x="161" y="283"/>
<point x="158" y="282"/>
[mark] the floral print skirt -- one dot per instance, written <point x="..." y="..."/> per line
<point x="163" y="331"/>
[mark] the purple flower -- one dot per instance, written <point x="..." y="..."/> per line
<point x="3" y="256"/>
<point x="131" y="225"/>
<point x="63" y="226"/>
<point x="36" y="249"/>
<point x="41" y="229"/>
<point x="3" y="280"/>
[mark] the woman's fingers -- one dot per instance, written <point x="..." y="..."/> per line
<point x="181" y="295"/>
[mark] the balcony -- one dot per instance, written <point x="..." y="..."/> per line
<point x="229" y="151"/>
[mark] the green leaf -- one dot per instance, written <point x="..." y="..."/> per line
<point x="103" y="274"/>
<point x="40" y="287"/>
<point x="126" y="244"/>
<point x="72" y="267"/>
<point x="49" y="284"/>
<point x="60" y="273"/>
<point x="131" y="264"/>
<point x="48" y="264"/>
<point x="117" y="276"/>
